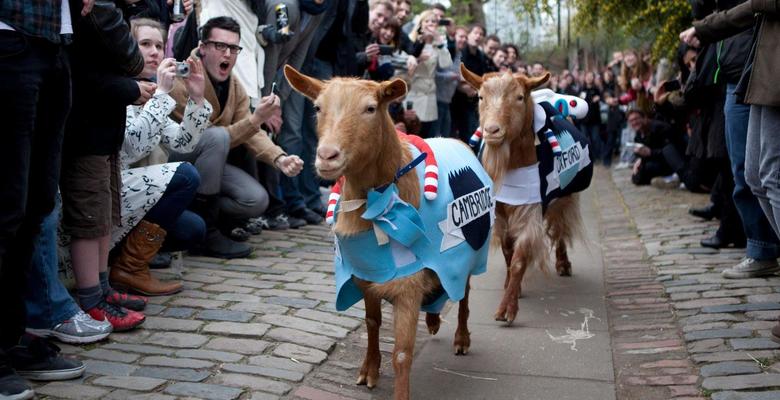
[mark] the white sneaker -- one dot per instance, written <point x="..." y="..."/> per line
<point x="666" y="182"/>
<point x="80" y="328"/>
<point x="751" y="268"/>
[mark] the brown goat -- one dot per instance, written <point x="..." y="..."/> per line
<point x="506" y="111"/>
<point x="357" y="140"/>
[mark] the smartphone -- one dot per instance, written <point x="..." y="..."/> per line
<point x="445" y="22"/>
<point x="386" y="49"/>
<point x="671" y="86"/>
<point x="273" y="88"/>
<point x="409" y="105"/>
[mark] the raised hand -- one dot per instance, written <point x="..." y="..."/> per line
<point x="166" y="73"/>
<point x="196" y="82"/>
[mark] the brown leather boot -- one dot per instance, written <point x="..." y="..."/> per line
<point x="130" y="270"/>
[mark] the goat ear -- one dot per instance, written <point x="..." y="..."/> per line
<point x="473" y="79"/>
<point x="533" y="83"/>
<point x="307" y="86"/>
<point x="391" y="90"/>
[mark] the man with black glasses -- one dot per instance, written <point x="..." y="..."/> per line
<point x="228" y="194"/>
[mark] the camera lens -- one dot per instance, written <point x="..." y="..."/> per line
<point x="183" y="69"/>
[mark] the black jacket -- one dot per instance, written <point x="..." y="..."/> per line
<point x="340" y="36"/>
<point x="104" y="56"/>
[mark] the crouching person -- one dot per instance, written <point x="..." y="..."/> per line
<point x="228" y="196"/>
<point x="155" y="195"/>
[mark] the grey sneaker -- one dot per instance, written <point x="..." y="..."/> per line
<point x="80" y="328"/>
<point x="751" y="268"/>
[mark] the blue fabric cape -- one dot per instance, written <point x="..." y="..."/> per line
<point x="449" y="235"/>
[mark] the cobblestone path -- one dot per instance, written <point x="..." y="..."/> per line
<point x="266" y="328"/>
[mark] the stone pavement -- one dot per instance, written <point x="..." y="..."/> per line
<point x="725" y="323"/>
<point x="645" y="316"/>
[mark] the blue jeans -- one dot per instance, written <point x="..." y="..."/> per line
<point x="762" y="243"/>
<point x="48" y="302"/>
<point x="442" y="127"/>
<point x="299" y="136"/>
<point x="185" y="229"/>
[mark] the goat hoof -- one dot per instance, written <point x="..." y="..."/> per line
<point x="367" y="381"/>
<point x="500" y="316"/>
<point x="461" y="350"/>
<point x="563" y="268"/>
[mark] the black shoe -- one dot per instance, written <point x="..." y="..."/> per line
<point x="38" y="359"/>
<point x="13" y="386"/>
<point x="282" y="222"/>
<point x="161" y="260"/>
<point x="715" y="242"/>
<point x="321" y="211"/>
<point x="219" y="246"/>
<point x="294" y="222"/>
<point x="311" y="217"/>
<point x="706" y="213"/>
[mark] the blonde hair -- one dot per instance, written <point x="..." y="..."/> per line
<point x="418" y="25"/>
<point x="137" y="23"/>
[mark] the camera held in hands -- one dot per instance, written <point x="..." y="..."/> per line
<point x="182" y="69"/>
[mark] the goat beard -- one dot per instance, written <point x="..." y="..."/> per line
<point x="495" y="159"/>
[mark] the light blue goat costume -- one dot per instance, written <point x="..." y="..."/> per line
<point x="449" y="235"/>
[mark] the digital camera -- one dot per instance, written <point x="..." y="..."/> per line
<point x="182" y="69"/>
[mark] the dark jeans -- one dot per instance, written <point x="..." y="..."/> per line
<point x="593" y="133"/>
<point x="48" y="302"/>
<point x="299" y="136"/>
<point x="730" y="227"/>
<point x="465" y="119"/>
<point x="34" y="104"/>
<point x="185" y="229"/>
<point x="608" y="147"/>
<point x="442" y="127"/>
<point x="762" y="243"/>
<point x="659" y="165"/>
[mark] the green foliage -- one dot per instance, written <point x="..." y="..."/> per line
<point x="657" y="23"/>
<point x="463" y="12"/>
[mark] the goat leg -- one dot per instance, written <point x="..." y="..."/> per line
<point x="462" y="334"/>
<point x="369" y="372"/>
<point x="406" y="311"/>
<point x="508" y="250"/>
<point x="507" y="310"/>
<point x="433" y="321"/>
<point x="562" y="263"/>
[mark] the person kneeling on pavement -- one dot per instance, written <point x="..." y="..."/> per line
<point x="228" y="196"/>
<point x="657" y="147"/>
<point x="155" y="196"/>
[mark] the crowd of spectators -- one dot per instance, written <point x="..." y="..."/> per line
<point x="140" y="128"/>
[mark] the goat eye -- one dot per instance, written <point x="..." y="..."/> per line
<point x="479" y="97"/>
<point x="371" y="109"/>
<point x="520" y="98"/>
<point x="317" y="108"/>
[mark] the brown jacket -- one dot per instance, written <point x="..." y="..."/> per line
<point x="761" y="89"/>
<point x="234" y="117"/>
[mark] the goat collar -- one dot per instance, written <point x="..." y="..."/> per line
<point x="403" y="171"/>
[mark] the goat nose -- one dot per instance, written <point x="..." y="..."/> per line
<point x="492" y="129"/>
<point x="328" y="153"/>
